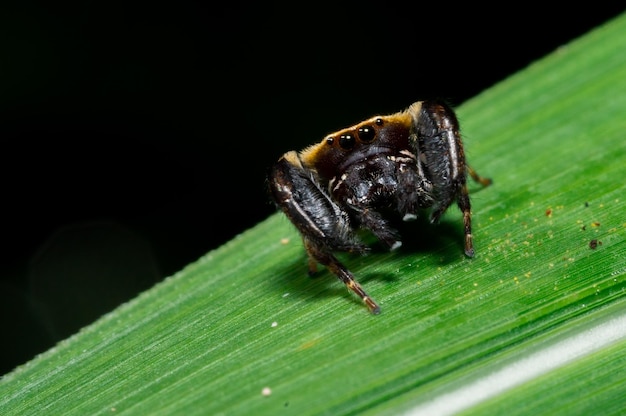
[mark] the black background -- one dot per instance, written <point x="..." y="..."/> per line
<point x="136" y="136"/>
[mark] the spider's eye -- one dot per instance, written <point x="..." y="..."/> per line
<point x="379" y="121"/>
<point x="346" y="141"/>
<point x="367" y="134"/>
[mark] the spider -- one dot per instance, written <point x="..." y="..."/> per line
<point x="354" y="178"/>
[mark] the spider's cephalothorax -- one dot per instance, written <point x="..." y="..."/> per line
<point x="402" y="162"/>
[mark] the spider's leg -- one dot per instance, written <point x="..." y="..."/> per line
<point x="324" y="226"/>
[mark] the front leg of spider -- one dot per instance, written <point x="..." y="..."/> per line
<point x="324" y="226"/>
<point x="442" y="157"/>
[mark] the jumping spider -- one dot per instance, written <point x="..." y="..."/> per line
<point x="401" y="162"/>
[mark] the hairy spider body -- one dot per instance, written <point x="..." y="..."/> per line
<point x="353" y="178"/>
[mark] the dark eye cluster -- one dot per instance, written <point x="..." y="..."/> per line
<point x="364" y="134"/>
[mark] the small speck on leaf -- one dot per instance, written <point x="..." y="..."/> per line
<point x="593" y="244"/>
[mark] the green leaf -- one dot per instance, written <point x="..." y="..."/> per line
<point x="550" y="271"/>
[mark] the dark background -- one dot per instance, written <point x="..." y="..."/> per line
<point x="136" y="135"/>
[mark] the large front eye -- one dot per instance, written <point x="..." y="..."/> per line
<point x="346" y="141"/>
<point x="367" y="134"/>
